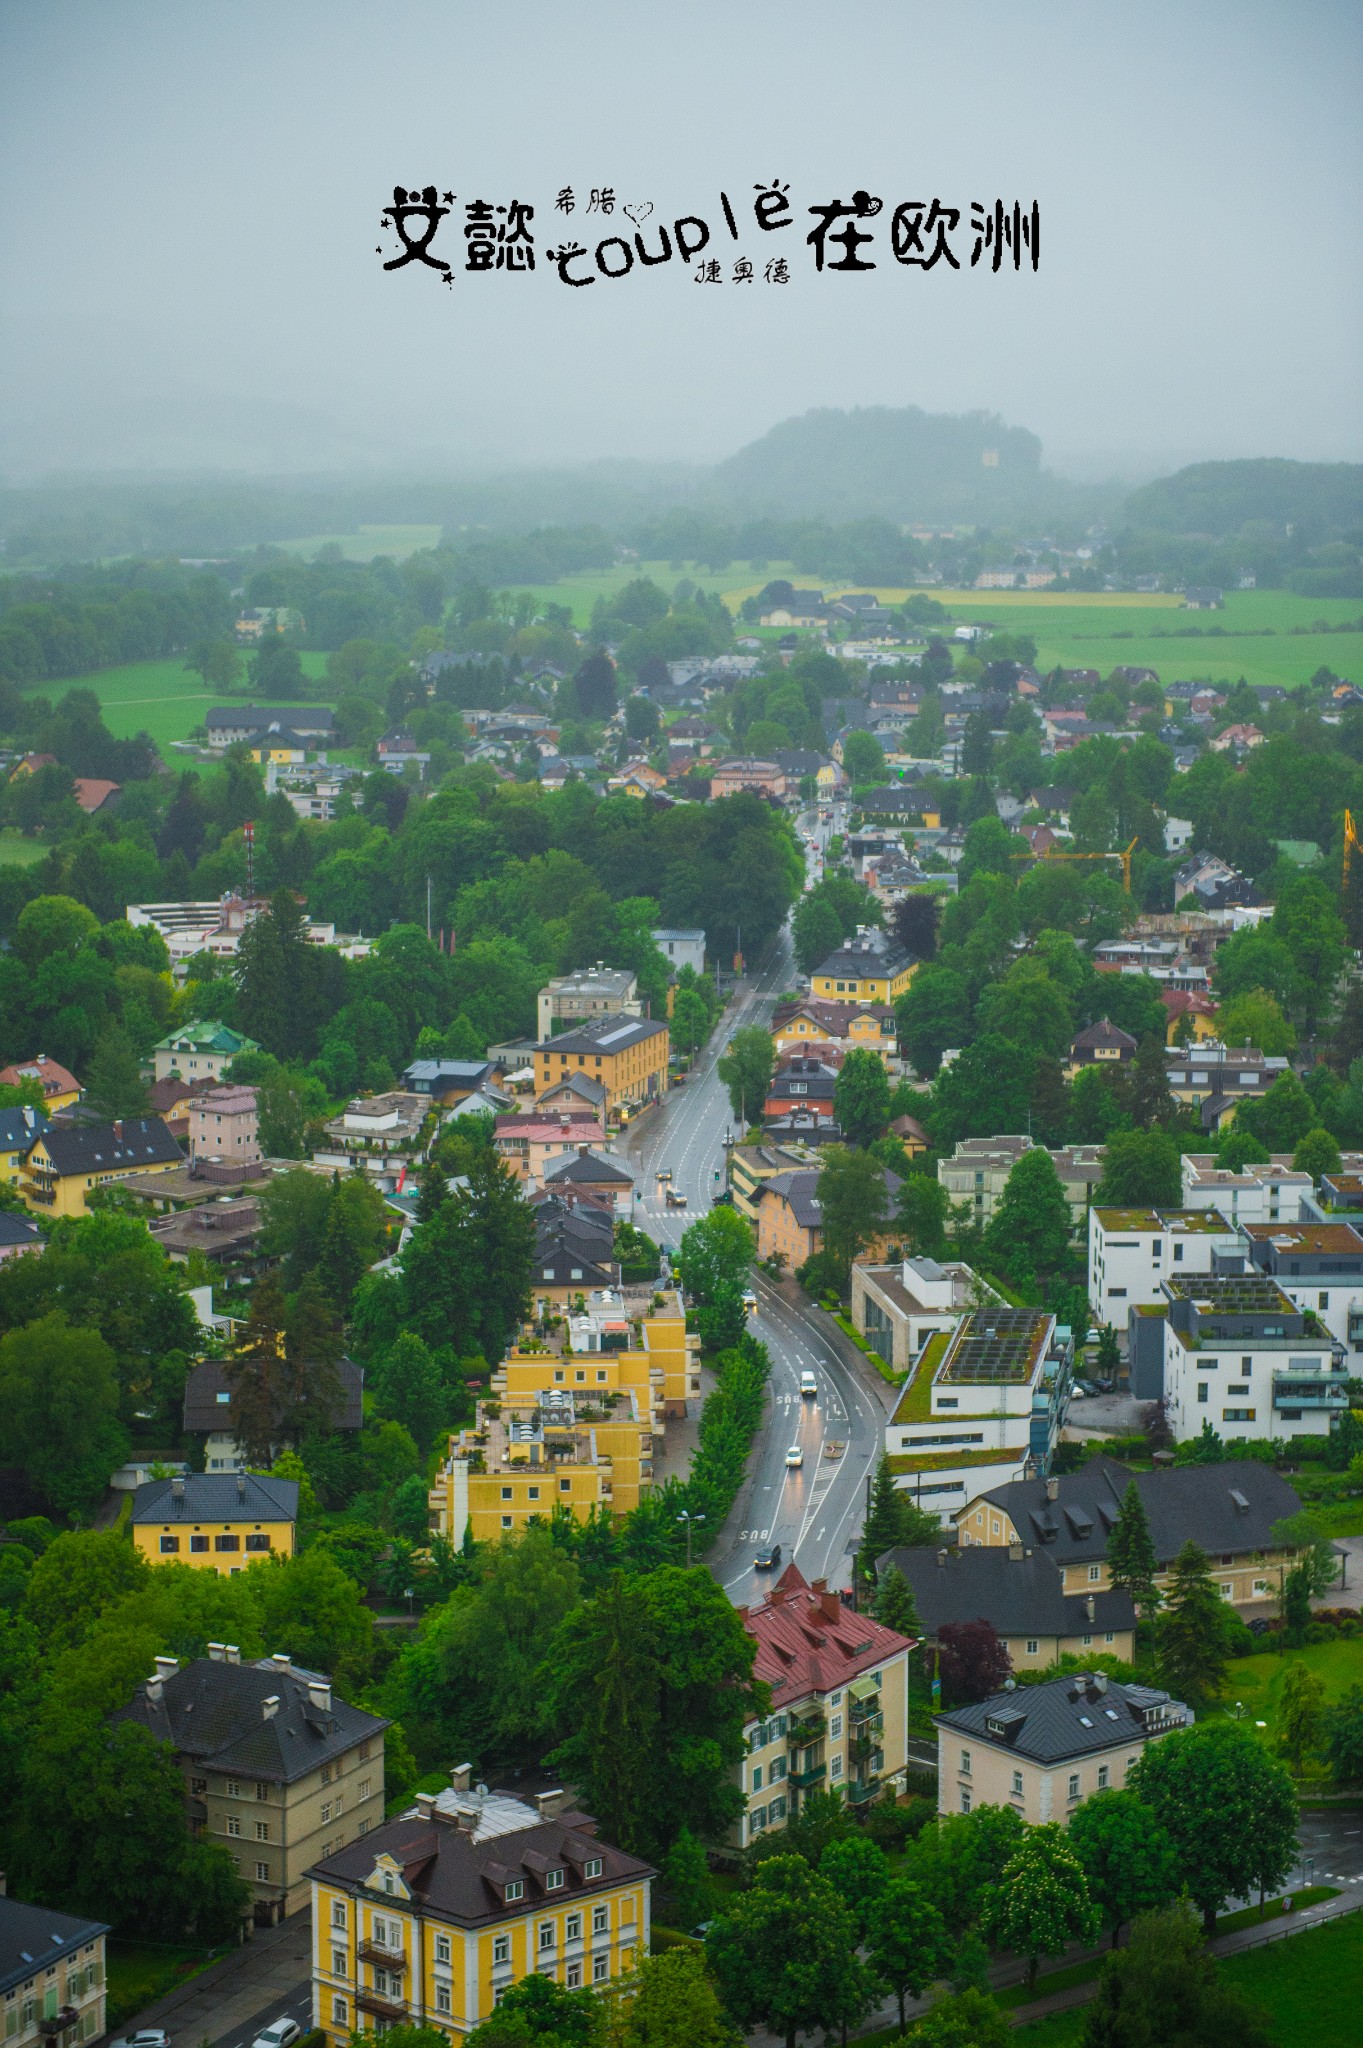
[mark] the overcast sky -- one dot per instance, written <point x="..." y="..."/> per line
<point x="191" y="193"/>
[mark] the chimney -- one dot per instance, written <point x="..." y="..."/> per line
<point x="154" y="1689"/>
<point x="4" y="1885"/>
<point x="270" y="1707"/>
<point x="425" y="1805"/>
<point x="177" y="1489"/>
<point x="1088" y="1608"/>
<point x="941" y="1560"/>
<point x="217" y="1653"/>
<point x="166" y="1667"/>
<point x="549" y="1805"/>
<point x="319" y="1693"/>
<point x="830" y="1606"/>
<point x="461" y="1776"/>
<point x="819" y="1586"/>
<point x="1052" y="1489"/>
<point x="1100" y="1682"/>
<point x="233" y="1653"/>
<point x="280" y="1660"/>
<point x="241" y="1486"/>
<point x="466" y="1819"/>
<point x="1015" y="1552"/>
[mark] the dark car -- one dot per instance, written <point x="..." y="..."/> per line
<point x="768" y="1560"/>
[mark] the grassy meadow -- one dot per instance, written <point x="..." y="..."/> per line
<point x="368" y="541"/>
<point x="163" y="698"/>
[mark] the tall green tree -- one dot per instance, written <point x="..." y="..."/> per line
<point x="257" y="1374"/>
<point x="1164" y="1988"/>
<point x="858" y="1870"/>
<point x="933" y="1014"/>
<point x="1041" y="1903"/>
<point x="113" y="1085"/>
<point x="670" y="2002"/>
<point x="784" y="1956"/>
<point x="1030" y="1229"/>
<point x="906" y="1942"/>
<point x="1131" y="1559"/>
<point x="853" y="1202"/>
<point x="745" y="1067"/>
<point x="1301" y="1714"/>
<point x="861" y="1096"/>
<point x="605" y="1686"/>
<point x="894" y="1605"/>
<point x="59" y="1411"/>
<point x="961" y="1860"/>
<point x="1141" y="1170"/>
<point x="466" y="1273"/>
<point x="892" y="1519"/>
<point x="1127" y="1858"/>
<point x="1148" y="1095"/>
<point x="1226" y="1804"/>
<point x="1342" y="1735"/>
<point x="356" y="1235"/>
<point x="410" y="1388"/>
<point x="1191" y="1639"/>
<point x="921" y="1213"/>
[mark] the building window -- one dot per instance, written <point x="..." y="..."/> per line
<point x="262" y="1791"/>
<point x="553" y="1880"/>
<point x="572" y="1976"/>
<point x="1017" y="1784"/>
<point x="326" y="1813"/>
<point x="263" y="1873"/>
<point x="546" y="1934"/>
<point x="965" y="1763"/>
<point x="1095" y="1573"/>
<point x="1109" y="1637"/>
<point x="515" y="1888"/>
<point x="197" y="1543"/>
<point x="339" y="2011"/>
<point x="592" y="1867"/>
<point x="442" y="1998"/>
<point x="507" y="1522"/>
<point x="1227" y="1589"/>
<point x="337" y="1913"/>
<point x="257" y="1539"/>
<point x="1074" y="1784"/>
<point x="757" y="1777"/>
<point x="1031" y="1646"/>
<point x="1203" y="1390"/>
<point x="506" y="1493"/>
<point x="501" y="1948"/>
<point x="339" y="1962"/>
<point x="572" y="1927"/>
<point x="1088" y="1642"/>
<point x="1102" y="1777"/>
<point x="169" y="1544"/>
<point x="227" y="1543"/>
<point x="965" y="1801"/>
<point x="262" y="1831"/>
<point x="601" y="1969"/>
<point x="601" y="1919"/>
<point x="835" y="1767"/>
<point x="835" y="1727"/>
<point x="233" y="1824"/>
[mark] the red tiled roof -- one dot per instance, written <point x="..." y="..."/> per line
<point x="55" y="1079"/>
<point x="92" y="793"/>
<point x="1180" y="1002"/>
<point x="807" y="1641"/>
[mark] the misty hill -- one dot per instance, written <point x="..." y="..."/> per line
<point x="1220" y="498"/>
<point x="900" y="463"/>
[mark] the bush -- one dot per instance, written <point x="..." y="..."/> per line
<point x="1239" y="1637"/>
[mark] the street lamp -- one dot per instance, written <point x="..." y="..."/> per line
<point x="409" y="1593"/>
<point x="687" y="1517"/>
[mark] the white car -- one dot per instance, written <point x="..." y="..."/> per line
<point x="749" y="1302"/>
<point x="145" y="2037"/>
<point x="808" y="1384"/>
<point x="795" y="1456"/>
<point x="278" y="2034"/>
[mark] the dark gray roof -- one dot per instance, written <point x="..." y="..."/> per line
<point x="19" y="1127"/>
<point x="215" y="1713"/>
<point x="208" y="1398"/>
<point x="217" y="1497"/>
<point x="858" y="960"/>
<point x="589" y="1166"/>
<point x="463" y="1879"/>
<point x="16" y="1229"/>
<point x="1068" y="1717"/>
<point x="1224" y="1509"/>
<point x="303" y="717"/>
<point x="1018" y="1596"/>
<point x="32" y="1937"/>
<point x="610" y="1034"/>
<point x="106" y="1147"/>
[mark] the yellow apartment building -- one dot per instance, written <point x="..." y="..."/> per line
<point x="19" y="1131"/>
<point x="218" y="1521"/>
<point x="66" y="1162"/>
<point x="510" y="1468"/>
<point x="628" y="1055"/>
<point x="51" y="1975"/>
<point x="867" y="969"/>
<point x="60" y="1088"/>
<point x="278" y="1770"/>
<point x="432" y="1918"/>
<point x="669" y="1345"/>
<point x="1044" y="1749"/>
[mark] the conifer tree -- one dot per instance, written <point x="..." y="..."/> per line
<point x="114" y="1084"/>
<point x="256" y="1374"/>
<point x="1191" y="1643"/>
<point x="1131" y="1556"/>
<point x="894" y="1605"/>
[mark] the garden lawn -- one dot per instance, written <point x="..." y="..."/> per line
<point x="163" y="698"/>
<point x="366" y="542"/>
<point x="1257" y="1681"/>
<point x="18" y="852"/>
<point x="138" y="1972"/>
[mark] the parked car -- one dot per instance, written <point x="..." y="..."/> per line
<point x="145" y="2037"/>
<point x="278" y="2034"/>
<point x="795" y="1456"/>
<point x="768" y="1560"/>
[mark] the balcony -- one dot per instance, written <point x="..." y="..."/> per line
<point x="386" y="1958"/>
<point x="862" y="1790"/>
<point x="53" y="2024"/>
<point x="803" y="1780"/>
<point x="382" y="2007"/>
<point x="808" y="1729"/>
<point x="1326" y="1391"/>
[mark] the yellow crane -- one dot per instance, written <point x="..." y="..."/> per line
<point x="1124" y="856"/>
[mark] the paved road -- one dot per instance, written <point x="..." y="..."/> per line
<point x="813" y="1512"/>
<point x="228" y="2003"/>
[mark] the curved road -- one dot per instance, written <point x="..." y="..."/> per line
<point x="814" y="1511"/>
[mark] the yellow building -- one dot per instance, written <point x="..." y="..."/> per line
<point x="51" y="1975"/>
<point x="511" y="1468"/>
<point x="19" y="1128"/>
<point x="434" y="1916"/>
<point x="221" y="1521"/>
<point x="867" y="969"/>
<point x="60" y="1089"/>
<point x="68" y="1160"/>
<point x="669" y="1345"/>
<point x="628" y="1055"/>
<point x="751" y="1166"/>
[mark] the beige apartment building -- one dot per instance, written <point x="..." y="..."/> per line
<point x="277" y="1770"/>
<point x="51" y="1975"/>
<point x="1044" y="1749"/>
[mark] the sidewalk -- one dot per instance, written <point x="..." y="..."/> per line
<point x="276" y="1961"/>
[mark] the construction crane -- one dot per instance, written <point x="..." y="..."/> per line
<point x="1124" y="856"/>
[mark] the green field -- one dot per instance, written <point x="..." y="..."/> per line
<point x="18" y="852"/>
<point x="1309" y="1984"/>
<point x="1255" y="1682"/>
<point x="368" y="541"/>
<point x="163" y="698"/>
<point x="738" y="581"/>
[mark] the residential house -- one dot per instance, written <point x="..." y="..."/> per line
<point x="1192" y="1017"/>
<point x="638" y="779"/>
<point x="1045" y="1748"/>
<point x="531" y="1144"/>
<point x="869" y="968"/>
<point x="803" y="608"/>
<point x="198" y="1051"/>
<point x="278" y="1769"/>
<point x="18" y="1235"/>
<point x="1320" y="1266"/>
<point x="432" y="1918"/>
<point x="1100" y="1045"/>
<point x="210" y="1409"/>
<point x="628" y="1054"/>
<point x="753" y="1163"/>
<point x="60" y="1088"/>
<point x="398" y="751"/>
<point x="381" y="1136"/>
<point x="1202" y="597"/>
<point x="673" y="1350"/>
<point x="230" y="724"/>
<point x="1229" y="1511"/>
<point x="66" y="1161"/>
<point x="897" y="1307"/>
<point x="803" y="1127"/>
<point x="446" y="1081"/>
<point x="606" y="1177"/>
<point x="226" y="1230"/>
<point x="1178" y="834"/>
<point x="578" y="1093"/>
<point x="508" y="1470"/>
<point x="977" y="1172"/>
<point x="839" y="1718"/>
<point x="590" y="992"/>
<point x="682" y="948"/>
<point x="790" y="1217"/>
<point x="215" y="1521"/>
<point x="574" y="1255"/>
<point x="224" y="1124"/>
<point x="747" y="776"/>
<point x="814" y="1022"/>
<point x="1020" y="1592"/>
<point x="19" y="1129"/>
<point x="96" y="797"/>
<point x="1239" y="1353"/>
<point x="1236" y="739"/>
<point x="1131" y="1251"/>
<point x="801" y="1082"/>
<point x="52" y="1975"/>
<point x="901" y="800"/>
<point x="985" y="1401"/>
<point x="1215" y="1079"/>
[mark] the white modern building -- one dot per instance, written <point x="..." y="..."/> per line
<point x="1240" y="1354"/>
<point x="1270" y="1193"/>
<point x="1132" y="1250"/>
<point x="681" y="949"/>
